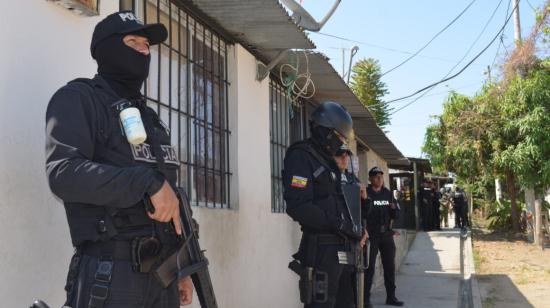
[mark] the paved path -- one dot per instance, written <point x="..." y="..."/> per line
<point x="430" y="274"/>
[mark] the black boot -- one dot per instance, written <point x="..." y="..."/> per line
<point x="393" y="301"/>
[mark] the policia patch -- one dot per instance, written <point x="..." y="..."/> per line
<point x="144" y="152"/>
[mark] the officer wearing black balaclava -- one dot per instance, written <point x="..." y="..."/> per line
<point x="102" y="164"/>
<point x="314" y="198"/>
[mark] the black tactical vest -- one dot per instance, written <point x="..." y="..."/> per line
<point x="99" y="223"/>
<point x="327" y="183"/>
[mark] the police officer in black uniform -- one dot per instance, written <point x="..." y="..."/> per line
<point x="436" y="205"/>
<point x="314" y="198"/>
<point x="103" y="179"/>
<point x="460" y="207"/>
<point x="427" y="208"/>
<point x="380" y="211"/>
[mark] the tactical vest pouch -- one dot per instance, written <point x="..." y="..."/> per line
<point x="320" y="286"/>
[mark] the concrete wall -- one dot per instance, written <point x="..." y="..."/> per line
<point x="44" y="47"/>
<point x="374" y="160"/>
<point x="249" y="247"/>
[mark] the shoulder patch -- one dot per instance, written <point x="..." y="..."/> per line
<point x="298" y="182"/>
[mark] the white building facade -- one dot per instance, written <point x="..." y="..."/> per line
<point x="231" y="130"/>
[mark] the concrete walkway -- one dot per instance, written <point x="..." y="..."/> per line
<point x="430" y="274"/>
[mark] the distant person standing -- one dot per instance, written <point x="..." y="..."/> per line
<point x="460" y="207"/>
<point x="427" y="202"/>
<point x="436" y="204"/>
<point x="445" y="205"/>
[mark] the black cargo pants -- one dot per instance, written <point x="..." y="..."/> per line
<point x="127" y="288"/>
<point x="386" y="246"/>
<point x="341" y="278"/>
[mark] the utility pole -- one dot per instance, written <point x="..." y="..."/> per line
<point x="517" y="26"/>
<point x="533" y="204"/>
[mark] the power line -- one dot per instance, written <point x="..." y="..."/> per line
<point x="462" y="59"/>
<point x="431" y="40"/>
<point x="501" y="44"/>
<point x="452" y="68"/>
<point x="382" y="47"/>
<point x="454" y="89"/>
<point x="534" y="9"/>
<point x="464" y="68"/>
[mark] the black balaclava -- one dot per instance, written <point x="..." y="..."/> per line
<point x="326" y="138"/>
<point x="124" y="68"/>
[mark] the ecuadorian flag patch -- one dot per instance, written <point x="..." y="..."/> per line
<point x="298" y="182"/>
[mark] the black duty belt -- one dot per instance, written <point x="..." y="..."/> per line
<point x="330" y="239"/>
<point x="379" y="230"/>
<point x="119" y="250"/>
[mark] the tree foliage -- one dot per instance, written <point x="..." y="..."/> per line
<point x="366" y="83"/>
<point x="503" y="131"/>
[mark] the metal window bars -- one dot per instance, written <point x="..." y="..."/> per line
<point x="188" y="86"/>
<point x="287" y="125"/>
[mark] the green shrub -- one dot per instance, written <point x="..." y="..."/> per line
<point x="500" y="216"/>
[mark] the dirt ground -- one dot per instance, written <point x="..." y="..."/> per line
<point x="510" y="271"/>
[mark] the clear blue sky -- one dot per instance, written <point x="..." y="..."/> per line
<point x="407" y="25"/>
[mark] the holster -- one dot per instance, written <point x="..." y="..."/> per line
<point x="72" y="275"/>
<point x="313" y="283"/>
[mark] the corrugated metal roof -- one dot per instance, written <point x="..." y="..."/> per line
<point x="422" y="165"/>
<point x="330" y="86"/>
<point x="266" y="28"/>
<point x="258" y="25"/>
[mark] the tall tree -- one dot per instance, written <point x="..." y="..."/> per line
<point x="503" y="131"/>
<point x="366" y="83"/>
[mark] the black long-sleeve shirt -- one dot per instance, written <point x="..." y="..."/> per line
<point x="75" y="125"/>
<point x="312" y="190"/>
<point x="93" y="168"/>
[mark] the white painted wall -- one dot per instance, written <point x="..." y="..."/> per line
<point x="44" y="46"/>
<point x="374" y="160"/>
<point x="249" y="247"/>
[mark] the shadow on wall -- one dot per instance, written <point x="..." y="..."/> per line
<point x="498" y="290"/>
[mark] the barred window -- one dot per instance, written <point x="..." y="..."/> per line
<point x="188" y="87"/>
<point x="287" y="125"/>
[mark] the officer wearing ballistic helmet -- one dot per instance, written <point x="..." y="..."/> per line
<point x="103" y="165"/>
<point x="314" y="198"/>
<point x="380" y="211"/>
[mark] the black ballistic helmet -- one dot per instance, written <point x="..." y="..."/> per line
<point x="333" y="116"/>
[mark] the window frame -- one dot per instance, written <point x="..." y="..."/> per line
<point x="284" y="130"/>
<point x="203" y="132"/>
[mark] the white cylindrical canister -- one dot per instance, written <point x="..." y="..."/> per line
<point x="133" y="126"/>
